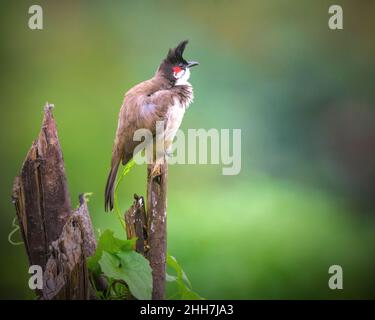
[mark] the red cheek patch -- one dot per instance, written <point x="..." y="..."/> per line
<point x="177" y="69"/>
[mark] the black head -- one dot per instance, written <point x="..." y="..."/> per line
<point x="174" y="65"/>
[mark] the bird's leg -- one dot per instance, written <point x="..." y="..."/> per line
<point x="156" y="169"/>
<point x="161" y="157"/>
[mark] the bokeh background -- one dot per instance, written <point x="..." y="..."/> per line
<point x="302" y="94"/>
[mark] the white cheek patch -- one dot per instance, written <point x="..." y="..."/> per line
<point x="179" y="74"/>
<point x="182" y="77"/>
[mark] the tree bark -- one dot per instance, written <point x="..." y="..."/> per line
<point x="157" y="228"/>
<point x="151" y="228"/>
<point x="40" y="192"/>
<point x="55" y="238"/>
<point x="66" y="275"/>
<point x="136" y="224"/>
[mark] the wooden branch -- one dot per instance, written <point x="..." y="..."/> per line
<point x="157" y="228"/>
<point x="55" y="238"/>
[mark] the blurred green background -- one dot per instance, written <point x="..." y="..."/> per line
<point x="302" y="94"/>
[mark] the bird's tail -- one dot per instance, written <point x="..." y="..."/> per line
<point x="110" y="187"/>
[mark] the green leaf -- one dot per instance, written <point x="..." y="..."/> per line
<point x="170" y="278"/>
<point x="130" y="267"/>
<point x="190" y="295"/>
<point x="182" y="281"/>
<point x="108" y="242"/>
<point x="120" y="290"/>
<point x="126" y="170"/>
<point x="111" y="265"/>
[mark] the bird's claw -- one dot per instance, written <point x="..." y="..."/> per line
<point x="156" y="171"/>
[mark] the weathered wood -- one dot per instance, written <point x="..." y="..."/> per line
<point x="40" y="192"/>
<point x="136" y="224"/>
<point x="151" y="228"/>
<point x="66" y="275"/>
<point x="56" y="238"/>
<point x="157" y="228"/>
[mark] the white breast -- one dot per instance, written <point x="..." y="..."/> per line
<point x="174" y="119"/>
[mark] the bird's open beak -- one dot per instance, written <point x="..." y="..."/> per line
<point x="192" y="64"/>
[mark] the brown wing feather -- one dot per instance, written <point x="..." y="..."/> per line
<point x="143" y="105"/>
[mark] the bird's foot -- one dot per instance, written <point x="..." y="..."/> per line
<point x="156" y="171"/>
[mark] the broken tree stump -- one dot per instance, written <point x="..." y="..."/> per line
<point x="55" y="237"/>
<point x="151" y="228"/>
<point x="136" y="224"/>
<point x="66" y="275"/>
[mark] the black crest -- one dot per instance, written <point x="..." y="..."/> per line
<point x="174" y="56"/>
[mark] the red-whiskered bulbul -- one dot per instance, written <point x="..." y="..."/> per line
<point x="165" y="97"/>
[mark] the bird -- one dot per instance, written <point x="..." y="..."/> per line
<point x="164" y="97"/>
